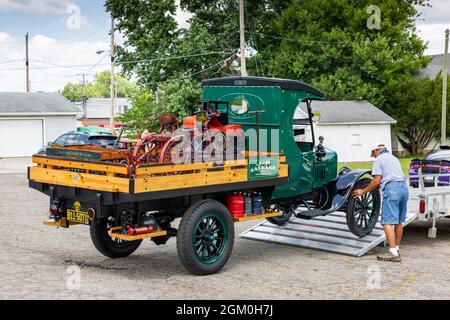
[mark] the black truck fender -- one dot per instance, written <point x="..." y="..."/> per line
<point x="340" y="188"/>
<point x="339" y="191"/>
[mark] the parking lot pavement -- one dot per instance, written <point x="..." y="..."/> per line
<point x="14" y="165"/>
<point x="40" y="262"/>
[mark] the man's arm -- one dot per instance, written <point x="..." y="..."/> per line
<point x="372" y="185"/>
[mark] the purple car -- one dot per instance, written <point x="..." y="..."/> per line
<point x="437" y="162"/>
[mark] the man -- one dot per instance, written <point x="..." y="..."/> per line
<point x="387" y="173"/>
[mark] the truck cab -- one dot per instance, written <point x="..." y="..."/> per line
<point x="265" y="108"/>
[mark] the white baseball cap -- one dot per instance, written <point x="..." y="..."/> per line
<point x="380" y="146"/>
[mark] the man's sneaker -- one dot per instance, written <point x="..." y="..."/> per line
<point x="389" y="257"/>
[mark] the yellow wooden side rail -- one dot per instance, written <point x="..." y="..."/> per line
<point x="149" y="178"/>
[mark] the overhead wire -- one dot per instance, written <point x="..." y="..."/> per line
<point x="197" y="72"/>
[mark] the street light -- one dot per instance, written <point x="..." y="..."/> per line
<point x="111" y="54"/>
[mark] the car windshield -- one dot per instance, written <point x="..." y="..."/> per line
<point x="102" y="140"/>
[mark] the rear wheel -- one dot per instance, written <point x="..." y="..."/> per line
<point x="363" y="211"/>
<point x="112" y="248"/>
<point x="205" y="237"/>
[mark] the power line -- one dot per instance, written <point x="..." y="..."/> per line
<point x="11" y="61"/>
<point x="52" y="74"/>
<point x="175" y="57"/>
<point x="57" y="66"/>
<point x="198" y="72"/>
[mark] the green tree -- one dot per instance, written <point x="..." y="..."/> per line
<point x="99" y="88"/>
<point x="326" y="43"/>
<point x="173" y="97"/>
<point x="419" y="121"/>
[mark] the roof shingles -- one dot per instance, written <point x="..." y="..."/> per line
<point x="16" y="103"/>
<point x="346" y="112"/>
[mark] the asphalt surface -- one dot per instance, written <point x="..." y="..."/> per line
<point x="41" y="262"/>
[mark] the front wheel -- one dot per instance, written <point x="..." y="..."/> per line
<point x="363" y="211"/>
<point x="112" y="248"/>
<point x="205" y="237"/>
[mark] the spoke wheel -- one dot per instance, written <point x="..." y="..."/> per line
<point x="363" y="211"/>
<point x="205" y="237"/>
<point x="210" y="238"/>
<point x="112" y="248"/>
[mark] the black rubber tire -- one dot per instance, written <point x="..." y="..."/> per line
<point x="280" y="220"/>
<point x="107" y="246"/>
<point x="186" y="229"/>
<point x="350" y="214"/>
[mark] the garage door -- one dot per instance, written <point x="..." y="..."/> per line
<point x="20" y="138"/>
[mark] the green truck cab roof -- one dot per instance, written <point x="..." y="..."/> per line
<point x="286" y="84"/>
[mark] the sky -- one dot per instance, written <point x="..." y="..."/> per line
<point x="64" y="36"/>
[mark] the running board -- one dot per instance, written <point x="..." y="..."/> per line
<point x="326" y="233"/>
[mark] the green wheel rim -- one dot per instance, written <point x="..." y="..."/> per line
<point x="210" y="238"/>
<point x="365" y="209"/>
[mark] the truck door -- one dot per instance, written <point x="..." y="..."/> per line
<point x="304" y="138"/>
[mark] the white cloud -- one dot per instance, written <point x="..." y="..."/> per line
<point x="434" y="35"/>
<point x="432" y="23"/>
<point x="52" y="63"/>
<point x="35" y="6"/>
<point x="181" y="16"/>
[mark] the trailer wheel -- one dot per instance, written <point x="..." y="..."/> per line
<point x="205" y="237"/>
<point x="279" y="220"/>
<point x="112" y="248"/>
<point x="363" y="211"/>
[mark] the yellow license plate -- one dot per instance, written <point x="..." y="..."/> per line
<point x="77" y="216"/>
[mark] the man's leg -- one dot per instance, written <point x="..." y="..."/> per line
<point x="390" y="235"/>
<point x="398" y="228"/>
<point x="402" y="215"/>
<point x="389" y="217"/>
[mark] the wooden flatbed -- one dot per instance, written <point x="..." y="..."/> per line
<point x="115" y="178"/>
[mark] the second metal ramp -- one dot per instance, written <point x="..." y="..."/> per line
<point x="328" y="233"/>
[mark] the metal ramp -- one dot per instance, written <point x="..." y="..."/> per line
<point x="327" y="233"/>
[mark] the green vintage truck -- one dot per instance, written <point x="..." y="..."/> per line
<point x="290" y="169"/>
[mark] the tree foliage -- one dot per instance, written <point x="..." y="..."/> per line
<point x="99" y="88"/>
<point x="173" y="97"/>
<point x="325" y="43"/>
<point x="417" y="103"/>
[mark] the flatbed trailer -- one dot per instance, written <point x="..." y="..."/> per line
<point x="433" y="200"/>
<point x="103" y="195"/>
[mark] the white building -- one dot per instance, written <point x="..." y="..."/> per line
<point x="30" y="120"/>
<point x="97" y="111"/>
<point x="350" y="128"/>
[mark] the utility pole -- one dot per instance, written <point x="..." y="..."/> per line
<point x="242" y="38"/>
<point x="27" y="65"/>
<point x="444" y="91"/>
<point x="111" y="119"/>
<point x="84" y="96"/>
